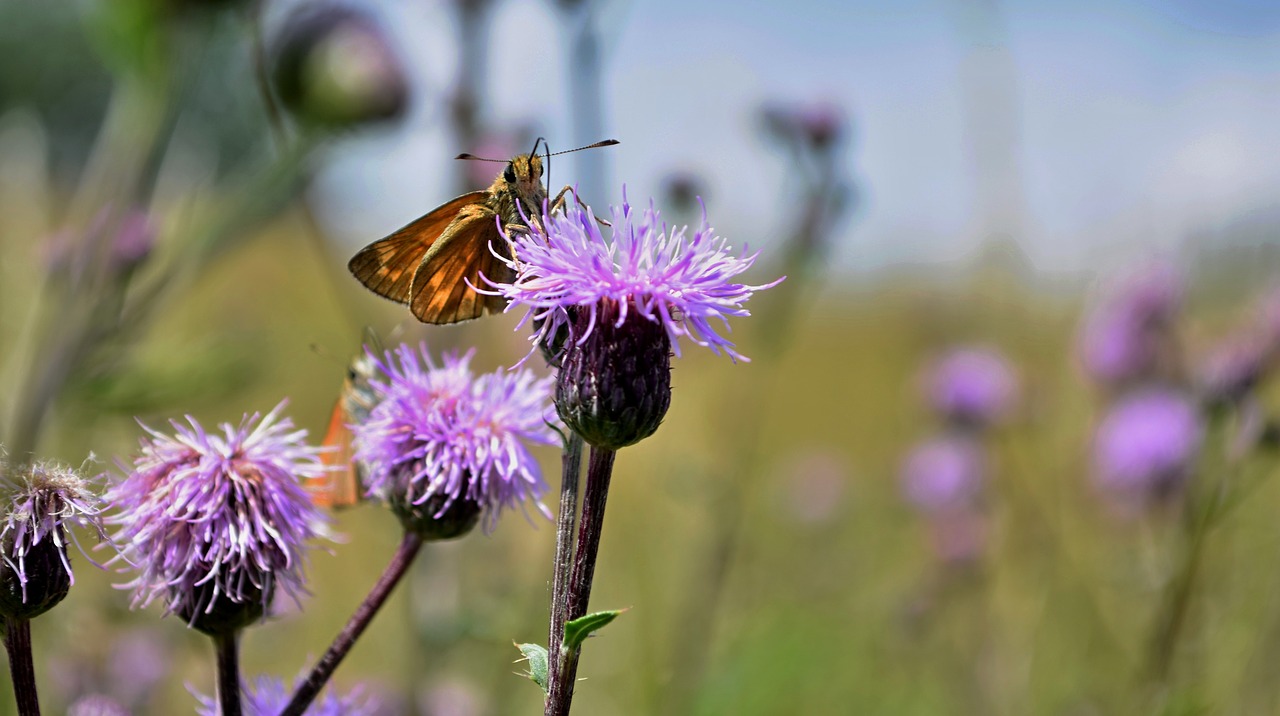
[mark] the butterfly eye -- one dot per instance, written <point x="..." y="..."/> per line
<point x="510" y="174"/>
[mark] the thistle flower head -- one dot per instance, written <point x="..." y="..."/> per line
<point x="268" y="696"/>
<point x="1146" y="446"/>
<point x="1231" y="370"/>
<point x="972" y="385"/>
<point x="214" y="522"/>
<point x="446" y="447"/>
<point x="944" y="474"/>
<point x="41" y="503"/>
<point x="1128" y="334"/>
<point x="610" y="313"/>
<point x="647" y="270"/>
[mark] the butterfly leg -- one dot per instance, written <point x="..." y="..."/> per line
<point x="559" y="202"/>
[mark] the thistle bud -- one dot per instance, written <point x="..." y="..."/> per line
<point x="614" y="384"/>
<point x="334" y="66"/>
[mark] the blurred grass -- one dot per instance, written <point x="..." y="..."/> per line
<point x="845" y="613"/>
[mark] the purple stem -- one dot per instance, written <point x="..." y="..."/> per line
<point x="227" y="647"/>
<point x="17" y="641"/>
<point x="359" y="621"/>
<point x="599" y="471"/>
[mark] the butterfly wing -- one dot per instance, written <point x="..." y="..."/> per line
<point x="387" y="266"/>
<point x="439" y="292"/>
<point x="340" y="486"/>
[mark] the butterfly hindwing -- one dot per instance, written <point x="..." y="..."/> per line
<point x="387" y="266"/>
<point x="440" y="293"/>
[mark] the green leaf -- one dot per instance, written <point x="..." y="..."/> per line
<point x="536" y="655"/>
<point x="577" y="631"/>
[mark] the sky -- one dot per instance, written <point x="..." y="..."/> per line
<point x="1133" y="125"/>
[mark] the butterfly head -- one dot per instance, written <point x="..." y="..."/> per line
<point x="523" y="177"/>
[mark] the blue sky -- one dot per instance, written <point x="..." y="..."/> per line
<point x="1135" y="123"/>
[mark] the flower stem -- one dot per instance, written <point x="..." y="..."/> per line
<point x="571" y="467"/>
<point x="227" y="646"/>
<point x="359" y="621"/>
<point x="599" y="471"/>
<point x="17" y="641"/>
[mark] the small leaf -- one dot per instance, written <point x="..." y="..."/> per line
<point x="536" y="655"/>
<point x="577" y="631"/>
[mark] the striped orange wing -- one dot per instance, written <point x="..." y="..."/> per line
<point x="387" y="266"/>
<point x="439" y="293"/>
<point x="340" y="487"/>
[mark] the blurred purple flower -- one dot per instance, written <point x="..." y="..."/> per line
<point x="818" y="125"/>
<point x="123" y="240"/>
<point x="958" y="537"/>
<point x="1123" y="337"/>
<point x="138" y="661"/>
<point x="42" y="502"/>
<point x="211" y="519"/>
<point x="1231" y="371"/>
<point x="1146" y="446"/>
<point x="441" y="437"/>
<point x="972" y="386"/>
<point x="658" y="275"/>
<point x="97" y="705"/>
<point x="451" y="697"/>
<point x="268" y="696"/>
<point x="944" y="474"/>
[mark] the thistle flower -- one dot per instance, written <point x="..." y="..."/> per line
<point x="43" y="502"/>
<point x="1146" y="446"/>
<point x="610" y="313"/>
<point x="447" y="448"/>
<point x="1230" y="372"/>
<point x="972" y="386"/>
<point x="268" y="696"/>
<point x="215" y="522"/>
<point x="944" y="474"/>
<point x="97" y="705"/>
<point x="1127" y="337"/>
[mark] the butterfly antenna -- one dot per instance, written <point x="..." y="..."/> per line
<point x="474" y="158"/>
<point x="601" y="143"/>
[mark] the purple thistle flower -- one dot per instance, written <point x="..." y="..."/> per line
<point x="972" y="386"/>
<point x="609" y="313"/>
<point x="684" y="284"/>
<point x="268" y="697"/>
<point x="97" y="705"/>
<point x="446" y="447"/>
<point x="1146" y="446"/>
<point x="944" y="474"/>
<point x="1231" y="371"/>
<point x="1124" y="337"/>
<point x="43" y="502"/>
<point x="214" y="522"/>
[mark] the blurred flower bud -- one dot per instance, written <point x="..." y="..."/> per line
<point x="972" y="386"/>
<point x="944" y="474"/>
<point x="1146" y="446"/>
<point x="334" y="66"/>
<point x="1232" y="370"/>
<point x="682" y="190"/>
<point x="817" y="126"/>
<point x="97" y="705"/>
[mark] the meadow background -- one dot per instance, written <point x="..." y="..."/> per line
<point x="929" y="174"/>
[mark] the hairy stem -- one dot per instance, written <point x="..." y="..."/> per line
<point x="599" y="472"/>
<point x="571" y="467"/>
<point x="319" y="676"/>
<point x="17" y="641"/>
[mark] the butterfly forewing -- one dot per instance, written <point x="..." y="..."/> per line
<point x="343" y="484"/>
<point x="387" y="266"/>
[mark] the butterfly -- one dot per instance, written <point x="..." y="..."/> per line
<point x="429" y="263"/>
<point x="343" y="484"/>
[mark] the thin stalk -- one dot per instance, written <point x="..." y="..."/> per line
<point x="17" y="641"/>
<point x="571" y="468"/>
<point x="227" y="647"/>
<point x="599" y="472"/>
<point x="319" y="676"/>
<point x="261" y="74"/>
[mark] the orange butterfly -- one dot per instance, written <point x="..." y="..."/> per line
<point x="343" y="484"/>
<point x="428" y="263"/>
